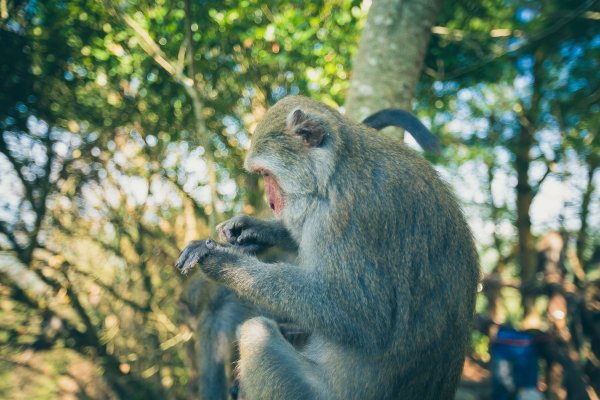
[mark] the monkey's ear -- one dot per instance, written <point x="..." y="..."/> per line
<point x="308" y="128"/>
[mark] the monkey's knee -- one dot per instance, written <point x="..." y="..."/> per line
<point x="269" y="366"/>
<point x="255" y="335"/>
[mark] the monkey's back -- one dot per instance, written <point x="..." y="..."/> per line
<point x="412" y="269"/>
<point x="389" y="286"/>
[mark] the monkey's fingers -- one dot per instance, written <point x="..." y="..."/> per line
<point x="230" y="230"/>
<point x="248" y="236"/>
<point x="226" y="235"/>
<point x="187" y="260"/>
<point x="193" y="254"/>
<point x="224" y="231"/>
<point x="252" y="238"/>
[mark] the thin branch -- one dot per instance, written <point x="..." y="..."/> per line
<point x="190" y="41"/>
<point x="495" y="211"/>
<point x="90" y="329"/>
<point x="81" y="385"/>
<point x="591" y="99"/>
<point x="3" y="9"/>
<point x="53" y="283"/>
<point x="96" y="279"/>
<point x="142" y="265"/>
<point x="539" y="183"/>
<point x="554" y="27"/>
<point x="202" y="132"/>
<point x="181" y="54"/>
<point x="11" y="237"/>
<point x="179" y="187"/>
<point x="109" y="289"/>
<point x="151" y="47"/>
<point x="45" y="186"/>
<point x="586" y="201"/>
<point x="169" y="239"/>
<point x="190" y="85"/>
<point x="18" y="294"/>
<point x="17" y="166"/>
<point x="42" y="307"/>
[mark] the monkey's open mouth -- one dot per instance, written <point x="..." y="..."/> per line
<point x="274" y="193"/>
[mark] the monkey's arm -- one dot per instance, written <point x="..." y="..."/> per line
<point x="303" y="295"/>
<point x="254" y="235"/>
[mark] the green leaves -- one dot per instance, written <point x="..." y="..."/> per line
<point x="117" y="181"/>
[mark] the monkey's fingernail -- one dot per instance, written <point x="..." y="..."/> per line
<point x="179" y="264"/>
<point x="210" y="244"/>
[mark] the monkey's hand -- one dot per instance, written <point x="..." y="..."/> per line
<point x="253" y="235"/>
<point x="208" y="254"/>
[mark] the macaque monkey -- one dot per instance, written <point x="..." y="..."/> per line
<point x="385" y="277"/>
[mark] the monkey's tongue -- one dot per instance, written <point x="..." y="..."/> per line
<point x="274" y="194"/>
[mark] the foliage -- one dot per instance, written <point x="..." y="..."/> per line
<point x="531" y="100"/>
<point x="513" y="86"/>
<point x="103" y="170"/>
<point x="105" y="173"/>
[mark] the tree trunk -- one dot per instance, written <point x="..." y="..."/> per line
<point x="593" y="164"/>
<point x="200" y="124"/>
<point x="390" y="56"/>
<point x="525" y="194"/>
<point x="528" y="121"/>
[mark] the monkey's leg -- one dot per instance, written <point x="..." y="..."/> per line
<point x="217" y="323"/>
<point x="217" y="312"/>
<point x="213" y="357"/>
<point x="270" y="367"/>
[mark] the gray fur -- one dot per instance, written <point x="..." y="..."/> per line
<point x="386" y="274"/>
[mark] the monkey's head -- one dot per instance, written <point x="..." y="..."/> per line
<point x="294" y="149"/>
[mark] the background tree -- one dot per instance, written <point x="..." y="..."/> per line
<point x="509" y="108"/>
<point x="111" y="115"/>
<point x="390" y="55"/>
<point x="104" y="136"/>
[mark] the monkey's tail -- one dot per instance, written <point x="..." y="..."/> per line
<point x="404" y="119"/>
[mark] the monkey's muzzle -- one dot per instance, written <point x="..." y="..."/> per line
<point x="274" y="193"/>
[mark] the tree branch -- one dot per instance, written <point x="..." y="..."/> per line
<point x="109" y="289"/>
<point x="201" y="130"/>
<point x="151" y="47"/>
<point x="90" y="329"/>
<point x="3" y="9"/>
<point x="45" y="186"/>
<point x="538" y="185"/>
<point x="181" y="55"/>
<point x="17" y="166"/>
<point x="11" y="237"/>
<point x="532" y="41"/>
<point x="189" y="84"/>
<point x="586" y="201"/>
